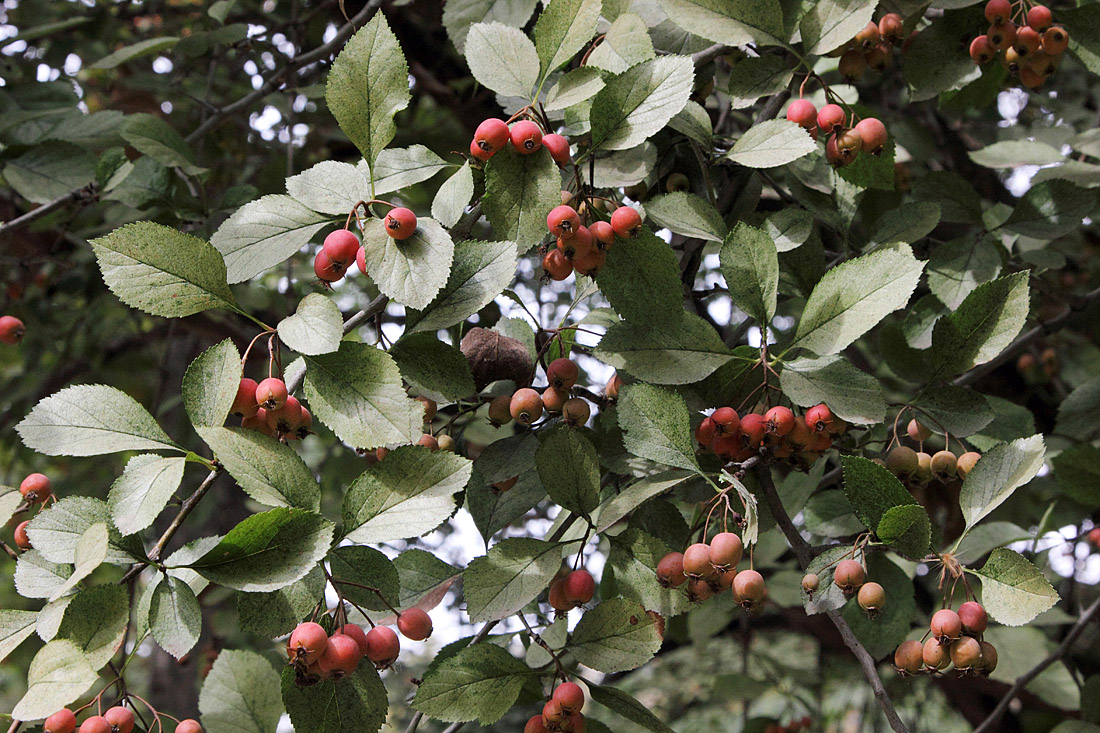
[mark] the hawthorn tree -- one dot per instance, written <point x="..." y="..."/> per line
<point x="696" y="365"/>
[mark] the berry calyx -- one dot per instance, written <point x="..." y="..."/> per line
<point x="307" y="643"/>
<point x="244" y="404"/>
<point x="1039" y="17"/>
<point x="670" y="570"/>
<point x="563" y="221"/>
<point x="12" y="330"/>
<point x="831" y="118"/>
<point x="626" y="222"/>
<point x="749" y="589"/>
<point x="873" y="134"/>
<point x="819" y="418"/>
<point x="271" y="394"/>
<point x="579" y="588"/>
<point x="95" y="724"/>
<point x="189" y="725"/>
<point x="383" y="646"/>
<point x="973" y="617"/>
<point x="848" y="576"/>
<point x="35" y="488"/>
<point x="63" y="721"/>
<point x="120" y="718"/>
<point x="575" y="412"/>
<point x="726" y="549"/>
<point x="908" y="657"/>
<point x="400" y="223"/>
<point x="697" y="560"/>
<point x="326" y="270"/>
<point x="490" y="136"/>
<point x="22" y="541"/>
<point x="810" y="583"/>
<point x="526" y="137"/>
<point x="341" y="246"/>
<point x="562" y="373"/>
<point x="414" y="623"/>
<point x="553" y="714"/>
<point x="355" y="632"/>
<point x="871" y="598"/>
<point x="476" y="152"/>
<point x="966" y="653"/>
<point x="570" y="696"/>
<point x="558" y="147"/>
<point x="525" y="406"/>
<point x="945" y="625"/>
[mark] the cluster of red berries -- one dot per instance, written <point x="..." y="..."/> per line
<point x="562" y="713"/>
<point x="270" y="409"/>
<point x="871" y="48"/>
<point x="1030" y="46"/>
<point x="571" y="589"/>
<point x="845" y="142"/>
<point x="12" y="330"/>
<point x="956" y="639"/>
<point x="851" y="578"/>
<point x="918" y="468"/>
<point x="35" y="489"/>
<point x="315" y="655"/>
<point x="803" y="723"/>
<point x="581" y="248"/>
<point x="116" y="720"/>
<point x="342" y="247"/>
<point x="778" y="433"/>
<point x="526" y="136"/>
<point x="708" y="569"/>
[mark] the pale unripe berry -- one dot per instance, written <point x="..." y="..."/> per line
<point x="849" y="575"/>
<point x="871" y="598"/>
<point x="749" y="588"/>
<point x="810" y="583"/>
<point x="944" y="465"/>
<point x="965" y="464"/>
<point x="966" y="653"/>
<point x="909" y="657"/>
<point x="726" y="549"/>
<point x="499" y="411"/>
<point x="902" y="460"/>
<point x="935" y="655"/>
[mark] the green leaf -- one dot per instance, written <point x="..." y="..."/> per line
<point x="357" y="392"/>
<point x="397" y="168"/>
<point x="459" y="15"/>
<point x="641" y="280"/>
<point x="481" y="270"/>
<point x="832" y="23"/>
<point x="907" y="223"/>
<point x="934" y="63"/>
<point x="453" y="196"/>
<point x="656" y="425"/>
<point x="997" y="474"/>
<point x="407" y="494"/>
<point x="330" y="187"/>
<point x="422" y="576"/>
<point x="1051" y="209"/>
<point x="872" y="490"/>
<point x="907" y="530"/>
<point x="1015" y="153"/>
<point x="268" y="470"/>
<point x="573" y="87"/>
<point x="367" y="86"/>
<point x="615" y="636"/>
<point x="143" y="490"/>
<point x="829" y="514"/>
<point x="357" y="702"/>
<point x="569" y="469"/>
<point x="95" y="620"/>
<point x="625" y="705"/>
<point x="520" y="190"/>
<point x="771" y="143"/>
<point x="135" y="50"/>
<point x="1077" y="411"/>
<point x="509" y="577"/>
<point x="56" y="532"/>
<point x="162" y="271"/>
<point x="47" y="172"/>
<point x="37" y="577"/>
<point x="507" y="457"/>
<point x="1078" y="473"/>
<point x="413" y="270"/>
<point x="757" y="76"/>
<point x="639" y="102"/>
<point x="1013" y="590"/>
<point x="156" y="138"/>
<point x="433" y="368"/>
<point x="210" y="384"/>
<point x="503" y="59"/>
<point x="983" y="326"/>
<point x="264" y="233"/>
<point x="480" y="682"/>
<point x="493" y="510"/>
<point x="789" y="228"/>
<point x="15" y="628"/>
<point x="750" y="264"/>
<point x="625" y="44"/>
<point x="681" y="351"/>
<point x="239" y="695"/>
<point x="58" y="675"/>
<point x="870" y="171"/>
<point x="636" y="494"/>
<point x="958" y="267"/>
<point x="174" y="616"/>
<point x="277" y="612"/>
<point x="731" y="22"/>
<point x="315" y="328"/>
<point x="633" y="560"/>
<point x="563" y="29"/>
<point x="854" y="296"/>
<point x="365" y="565"/>
<point x="959" y="410"/>
<point x="267" y="551"/>
<point x="694" y="122"/>
<point x="851" y="394"/>
<point x="687" y="214"/>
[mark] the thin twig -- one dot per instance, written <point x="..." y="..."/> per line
<point x="710" y="53"/>
<point x="88" y="192"/>
<point x="414" y="723"/>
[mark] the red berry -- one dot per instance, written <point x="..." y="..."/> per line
<point x="1001" y="37"/>
<point x="526" y="406"/>
<point x="819" y="418"/>
<point x="354" y="632"/>
<point x="383" y="646"/>
<point x="890" y="27"/>
<point x="271" y="393"/>
<point x="580" y="586"/>
<point x="869" y="36"/>
<point x="945" y="625"/>
<point x="981" y="50"/>
<point x="95" y="724"/>
<point x="1094" y="536"/>
<point x="428" y="441"/>
<point x="779" y="420"/>
<point x="244" y="404"/>
<point x="998" y="11"/>
<point x="973" y="617"/>
<point x="553" y="714"/>
<point x="400" y="223"/>
<point x="361" y="260"/>
<point x="12" y="330"/>
<point x="871" y="598"/>
<point x="1039" y="17"/>
<point x="307" y="643"/>
<point x="727" y="446"/>
<point x="258" y="422"/>
<point x="557" y="598"/>
<point x="697" y="560"/>
<point x="414" y="623"/>
<point x="491" y="135"/>
<point x="580" y="244"/>
<point x="909" y="657"/>
<point x="535" y="725"/>
<point x="22" y="541"/>
<point x="189" y="725"/>
<point x="849" y="575"/>
<point x="562" y="373"/>
<point x="1055" y="40"/>
<point x="725" y="550"/>
<point x="589" y="262"/>
<point x="803" y="113"/>
<point x="553" y="400"/>
<point x="341" y="657"/>
<point x="670" y="570"/>
<point x="526" y="137"/>
<point x="122" y="719"/>
<point x="476" y="152"/>
<point x="35" y="488"/>
<point x="326" y="270"/>
<point x="626" y="222"/>
<point x="341" y="247"/>
<point x="556" y="265"/>
<point x="749" y="588"/>
<point x="705" y="433"/>
<point x="831" y="118"/>
<point x="872" y="133"/>
<point x="726" y="420"/>
<point x="603" y="234"/>
<point x="753" y="429"/>
<point x="558" y="147"/>
<point x="63" y="721"/>
<point x="1027" y="42"/>
<point x="563" y="221"/>
<point x="286" y="419"/>
<point x="570" y="696"/>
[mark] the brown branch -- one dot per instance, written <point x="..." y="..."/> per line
<point x="710" y="53"/>
<point x="993" y="721"/>
<point x="802" y="552"/>
<point x="82" y="194"/>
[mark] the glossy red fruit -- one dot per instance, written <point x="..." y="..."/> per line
<point x="727" y="445"/>
<point x="603" y="234"/>
<point x="35" y="488"/>
<point x="341" y="247"/>
<point x="383" y="646"/>
<point x="189" y="725"/>
<point x="354" y="632"/>
<point x="257" y="422"/>
<point x="570" y="696"/>
<point x="535" y="725"/>
<point x="244" y="404"/>
<point x="1039" y="17"/>
<point x="998" y="11"/>
<point x="580" y="586"/>
<point x="400" y="223"/>
<point x="726" y="420"/>
<point x="491" y="135"/>
<point x="526" y="137"/>
<point x="326" y="270"/>
<point x="63" y="721"/>
<point x="563" y="221"/>
<point x="22" y="541"/>
<point x="705" y="433"/>
<point x="476" y="152"/>
<point x="873" y="134"/>
<point x="981" y="50"/>
<point x="271" y="393"/>
<point x="819" y="418"/>
<point x="579" y="245"/>
<point x="575" y="412"/>
<point x="626" y="222"/>
<point x="414" y="623"/>
<point x="945" y="625"/>
<point x="1055" y="40"/>
<point x="590" y="262"/>
<point x="556" y="265"/>
<point x="12" y="330"/>
<point x="909" y="657"/>
<point x="831" y="118"/>
<point x="286" y="419"/>
<point x="890" y="28"/>
<point x="748" y="588"/>
<point x="803" y="113"/>
<point x="558" y="147"/>
<point x="779" y="420"/>
<point x="553" y="714"/>
<point x="753" y="429"/>
<point x="726" y="549"/>
<point x="307" y="643"/>
<point x="697" y="560"/>
<point x="95" y="724"/>
<point x="1028" y="41"/>
<point x="526" y="406"/>
<point x="849" y="575"/>
<point x="670" y="570"/>
<point x="556" y="596"/>
<point x="562" y="373"/>
<point x="973" y="617"/>
<point x="120" y="718"/>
